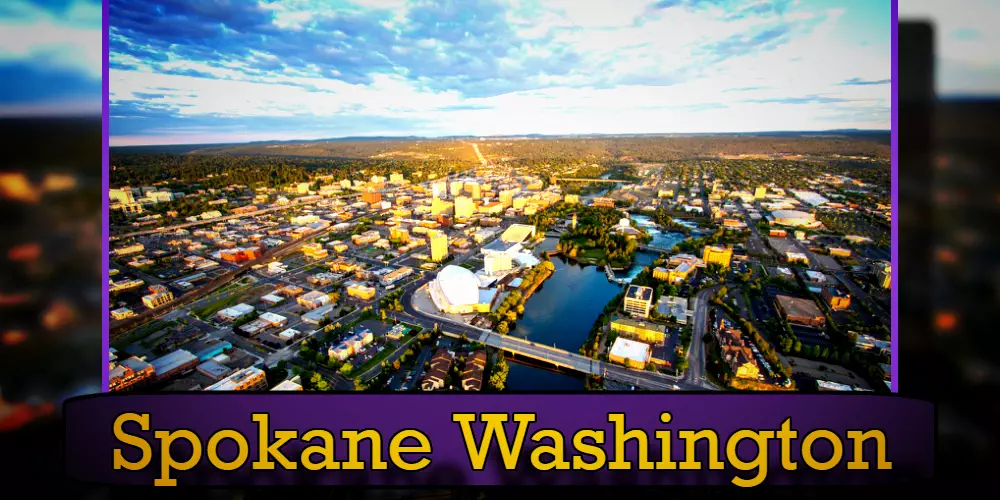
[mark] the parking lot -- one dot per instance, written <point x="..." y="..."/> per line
<point x="822" y="370"/>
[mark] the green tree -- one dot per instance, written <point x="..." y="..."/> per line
<point x="502" y="328"/>
<point x="346" y="369"/>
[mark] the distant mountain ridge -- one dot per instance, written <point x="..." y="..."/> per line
<point x="189" y="148"/>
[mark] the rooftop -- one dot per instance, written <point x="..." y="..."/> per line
<point x="630" y="349"/>
<point x="639" y="293"/>
<point x="794" y="306"/>
<point x="640" y="324"/>
<point x="172" y="361"/>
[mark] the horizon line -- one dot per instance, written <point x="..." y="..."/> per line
<point x="500" y="136"/>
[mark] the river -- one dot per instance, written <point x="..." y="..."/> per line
<point x="563" y="309"/>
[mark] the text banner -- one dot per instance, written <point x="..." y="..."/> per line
<point x="445" y="439"/>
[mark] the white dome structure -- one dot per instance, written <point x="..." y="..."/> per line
<point x="456" y="291"/>
<point x="793" y="218"/>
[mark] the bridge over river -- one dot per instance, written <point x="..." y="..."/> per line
<point x="564" y="359"/>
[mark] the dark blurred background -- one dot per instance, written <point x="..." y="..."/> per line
<point x="50" y="194"/>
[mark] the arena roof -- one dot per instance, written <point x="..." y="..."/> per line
<point x="459" y="285"/>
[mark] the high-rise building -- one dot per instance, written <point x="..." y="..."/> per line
<point x="439" y="245"/>
<point x="474" y="189"/>
<point x="717" y="255"/>
<point x="455" y="188"/>
<point x="760" y="192"/>
<point x="441" y="207"/>
<point x="638" y="300"/>
<point x="439" y="189"/>
<point x="399" y="234"/>
<point x="507" y="198"/>
<point x="464" y="207"/>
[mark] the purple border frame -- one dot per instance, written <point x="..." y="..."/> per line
<point x="894" y="179"/>
<point x="105" y="203"/>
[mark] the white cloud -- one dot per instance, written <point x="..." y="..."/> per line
<point x="966" y="66"/>
<point x="71" y="41"/>
<point x="662" y="44"/>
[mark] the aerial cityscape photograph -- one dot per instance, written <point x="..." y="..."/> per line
<point x="500" y="196"/>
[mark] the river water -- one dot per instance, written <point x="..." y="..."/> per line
<point x="563" y="309"/>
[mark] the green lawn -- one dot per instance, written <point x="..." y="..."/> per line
<point x="140" y="333"/>
<point x="214" y="307"/>
<point x="376" y="360"/>
<point x="593" y="253"/>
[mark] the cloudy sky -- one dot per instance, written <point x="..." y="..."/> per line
<point x="220" y="71"/>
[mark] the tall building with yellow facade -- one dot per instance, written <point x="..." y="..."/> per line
<point x="507" y="198"/>
<point x="441" y="207"/>
<point x="399" y="235"/>
<point x="439" y="245"/>
<point x="464" y="207"/>
<point x="717" y="255"/>
<point x="638" y="300"/>
<point x="474" y="190"/>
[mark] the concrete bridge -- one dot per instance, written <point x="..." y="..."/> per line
<point x="539" y="352"/>
<point x="564" y="359"/>
<point x="584" y="179"/>
<point x="651" y="248"/>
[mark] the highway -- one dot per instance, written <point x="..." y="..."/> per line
<point x="480" y="155"/>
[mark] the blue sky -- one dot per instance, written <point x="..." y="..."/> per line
<point x="219" y="71"/>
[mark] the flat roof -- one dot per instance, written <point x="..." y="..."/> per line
<point x="794" y="306"/>
<point x="273" y="318"/>
<point x="318" y="313"/>
<point x="630" y="349"/>
<point x="172" y="360"/>
<point x="236" y="311"/>
<point x="517" y="233"/>
<point x="639" y="292"/>
<point x="287" y="385"/>
<point x="640" y="324"/>
<point x="214" y="369"/>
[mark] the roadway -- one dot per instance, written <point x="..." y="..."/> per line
<point x="755" y="245"/>
<point x="695" y="373"/>
<point x="480" y="155"/>
<point x="558" y="357"/>
<point x="167" y="229"/>
<point x="118" y="327"/>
